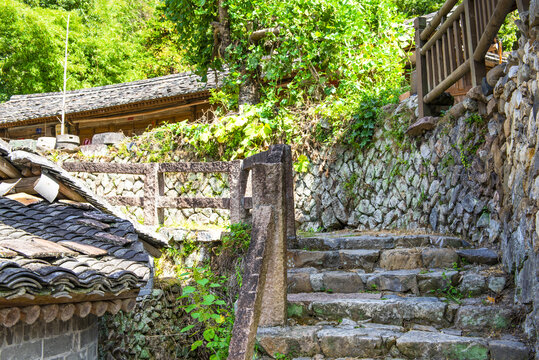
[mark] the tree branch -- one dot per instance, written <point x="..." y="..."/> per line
<point x="257" y="35"/>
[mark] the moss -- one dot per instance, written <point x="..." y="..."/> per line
<point x="468" y="352"/>
<point x="295" y="310"/>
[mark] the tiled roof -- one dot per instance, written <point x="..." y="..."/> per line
<point x="63" y="249"/>
<point x="60" y="249"/>
<point x="36" y="106"/>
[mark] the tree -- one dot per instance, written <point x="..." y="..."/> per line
<point x="312" y="42"/>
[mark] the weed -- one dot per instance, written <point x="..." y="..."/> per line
<point x="450" y="292"/>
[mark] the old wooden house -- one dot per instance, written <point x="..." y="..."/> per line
<point x="128" y="107"/>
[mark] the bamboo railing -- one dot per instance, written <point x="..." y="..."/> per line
<point x="455" y="43"/>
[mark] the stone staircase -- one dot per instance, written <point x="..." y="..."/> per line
<point x="394" y="296"/>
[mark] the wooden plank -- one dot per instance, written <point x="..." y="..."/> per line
<point x="458" y="43"/>
<point x="464" y="33"/>
<point x="151" y="216"/>
<point x="428" y="63"/>
<point x="445" y="55"/>
<point x="70" y="194"/>
<point x="452" y="49"/>
<point x="8" y="169"/>
<point x="439" y="62"/>
<point x="25" y="185"/>
<point x="23" y="198"/>
<point x="36" y="248"/>
<point x="477" y="67"/>
<point x="84" y="249"/>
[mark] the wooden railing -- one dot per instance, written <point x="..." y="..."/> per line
<point x="455" y="43"/>
<point x="262" y="298"/>
<point x="154" y="202"/>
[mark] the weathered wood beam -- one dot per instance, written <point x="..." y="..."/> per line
<point x="8" y="169"/>
<point x="431" y="27"/>
<point x="447" y="23"/>
<point x="491" y="30"/>
<point x="447" y="82"/>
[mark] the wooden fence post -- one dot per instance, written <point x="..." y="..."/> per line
<point x="421" y="68"/>
<point x="477" y="68"/>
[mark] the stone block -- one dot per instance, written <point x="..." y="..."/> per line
<point x="108" y="138"/>
<point x="396" y="280"/>
<point x="287" y="340"/>
<point x="342" y="282"/>
<point x="94" y="150"/>
<point x="438" y="346"/>
<point x="472" y="284"/>
<point x="299" y="282"/>
<point x="439" y="258"/>
<point x="483" y="318"/>
<point x="479" y="256"/>
<point x="30" y="350"/>
<point x="358" y="259"/>
<point x="396" y="259"/>
<point x="506" y="349"/>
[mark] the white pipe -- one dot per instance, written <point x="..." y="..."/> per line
<point x="65" y="81"/>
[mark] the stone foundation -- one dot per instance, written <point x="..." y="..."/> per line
<point x="59" y="340"/>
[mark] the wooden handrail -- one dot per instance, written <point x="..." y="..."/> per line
<point x="447" y="52"/>
<point x="447" y="23"/>
<point x="431" y="27"/>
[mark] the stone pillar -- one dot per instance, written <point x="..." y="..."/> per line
<point x="269" y="189"/>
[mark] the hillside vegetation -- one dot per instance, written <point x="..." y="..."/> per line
<point x="110" y="41"/>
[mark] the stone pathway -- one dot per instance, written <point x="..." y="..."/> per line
<point x="389" y="296"/>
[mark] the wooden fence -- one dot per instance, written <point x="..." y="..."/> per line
<point x="454" y="43"/>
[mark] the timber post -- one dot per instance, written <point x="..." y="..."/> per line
<point x="421" y="65"/>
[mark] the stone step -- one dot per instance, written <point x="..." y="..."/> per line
<point x="362" y="341"/>
<point x="391" y="259"/>
<point x="436" y="282"/>
<point x="354" y="240"/>
<point x="471" y="315"/>
<point x="301" y="280"/>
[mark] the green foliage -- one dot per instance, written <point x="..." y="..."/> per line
<point x="135" y="43"/>
<point x="413" y="8"/>
<point x="302" y="164"/>
<point x="237" y="239"/>
<point x="449" y="291"/>
<point x="508" y="33"/>
<point x="213" y="318"/>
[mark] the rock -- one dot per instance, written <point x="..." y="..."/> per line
<point x="299" y="282"/>
<point x="342" y="281"/>
<point x="420" y="126"/>
<point x="484" y="317"/>
<point x="479" y="256"/>
<point x="496" y="284"/>
<point x="468" y="203"/>
<point x="437" y="346"/>
<point x="108" y="138"/>
<point x="472" y="284"/>
<point x="360" y="342"/>
<point x="400" y="259"/>
<point x="455" y="111"/>
<point x="439" y="258"/>
<point x="476" y="93"/>
<point x="94" y="150"/>
<point x="433" y="281"/>
<point x="495" y="74"/>
<point x="506" y="349"/>
<point x="397" y="280"/>
<point x="27" y="145"/>
<point x="284" y="340"/>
